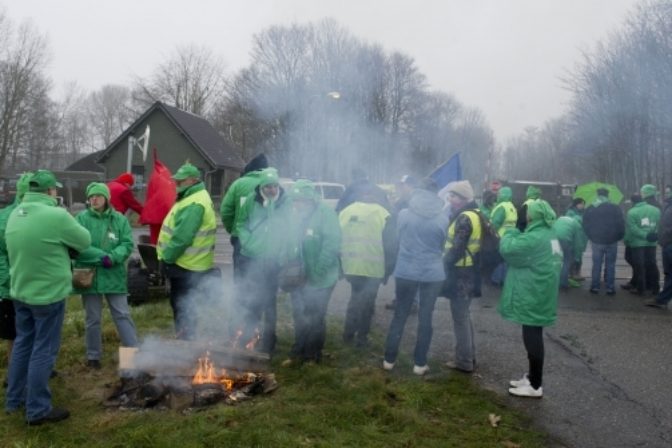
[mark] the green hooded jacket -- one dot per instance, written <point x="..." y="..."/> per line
<point x="320" y="233"/>
<point x="498" y="214"/>
<point x="534" y="260"/>
<point x="234" y="199"/>
<point x="582" y="244"/>
<point x="38" y="237"/>
<point x="261" y="228"/>
<point x="111" y="235"/>
<point x="569" y="230"/>
<point x="642" y="219"/>
<point x="21" y="190"/>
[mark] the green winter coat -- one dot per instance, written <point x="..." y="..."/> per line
<point x="569" y="230"/>
<point x="642" y="219"/>
<point x="321" y="237"/>
<point x="111" y="235"/>
<point x="234" y="199"/>
<point x="4" y="259"/>
<point x="38" y="237"/>
<point x="582" y="238"/>
<point x="534" y="259"/>
<point x="262" y="229"/>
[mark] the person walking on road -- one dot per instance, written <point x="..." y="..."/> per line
<point x="665" y="242"/>
<point x="186" y="249"/>
<point x="40" y="236"/>
<point x="530" y="292"/>
<point x="604" y="226"/>
<point x="111" y="245"/>
<point x="421" y="231"/>
<point x="463" y="243"/>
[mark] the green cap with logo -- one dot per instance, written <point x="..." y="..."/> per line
<point x="42" y="180"/>
<point x="186" y="171"/>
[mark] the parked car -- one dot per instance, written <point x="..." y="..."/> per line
<point x="330" y="192"/>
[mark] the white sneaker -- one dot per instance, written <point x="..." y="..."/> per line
<point x="526" y="391"/>
<point x="524" y="381"/>
<point x="420" y="370"/>
<point x="388" y="365"/>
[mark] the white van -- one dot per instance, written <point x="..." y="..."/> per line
<point x="330" y="192"/>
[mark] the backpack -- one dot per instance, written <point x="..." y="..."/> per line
<point x="489" y="236"/>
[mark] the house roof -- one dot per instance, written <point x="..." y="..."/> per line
<point x="197" y="130"/>
<point x="87" y="163"/>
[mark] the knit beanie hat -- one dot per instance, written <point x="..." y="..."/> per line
<point x="303" y="190"/>
<point x="98" y="188"/>
<point x="126" y="179"/>
<point x="540" y="210"/>
<point x="533" y="192"/>
<point x="268" y="176"/>
<point x="647" y="191"/>
<point x="23" y="185"/>
<point x="463" y="189"/>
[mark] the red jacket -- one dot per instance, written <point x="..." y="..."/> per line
<point x="121" y="198"/>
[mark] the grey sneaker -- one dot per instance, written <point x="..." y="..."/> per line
<point x="654" y="303"/>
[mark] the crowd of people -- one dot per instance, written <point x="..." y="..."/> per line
<point x="287" y="239"/>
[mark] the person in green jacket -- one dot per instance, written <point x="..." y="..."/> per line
<point x="533" y="193"/>
<point x="319" y="240"/>
<point x="530" y="292"/>
<point x="576" y="211"/>
<point x="641" y="234"/>
<point x="111" y="245"/>
<point x="40" y="237"/>
<point x="503" y="217"/>
<point x="568" y="231"/>
<point x="234" y="199"/>
<point x="7" y="325"/>
<point x="261" y="228"/>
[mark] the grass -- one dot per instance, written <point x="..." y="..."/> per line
<point x="348" y="400"/>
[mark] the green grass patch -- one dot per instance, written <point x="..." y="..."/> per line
<point x="347" y="400"/>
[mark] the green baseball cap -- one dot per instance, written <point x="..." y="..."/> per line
<point x="186" y="171"/>
<point x="42" y="180"/>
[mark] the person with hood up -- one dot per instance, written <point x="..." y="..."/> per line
<point x="641" y="233"/>
<point x="533" y="193"/>
<point x="233" y="201"/>
<point x="319" y="241"/>
<point x="264" y="216"/>
<point x="665" y="242"/>
<point x="7" y="325"/>
<point x="186" y="250"/>
<point x="40" y="236"/>
<point x="575" y="211"/>
<point x="121" y="195"/>
<point x="503" y="218"/>
<point x="112" y="244"/>
<point x="463" y="243"/>
<point x="368" y="249"/>
<point x="568" y="231"/>
<point x="530" y="293"/>
<point x="604" y="226"/>
<point x="421" y="232"/>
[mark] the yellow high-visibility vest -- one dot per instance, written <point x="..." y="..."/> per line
<point x="510" y="217"/>
<point x="474" y="244"/>
<point x="200" y="255"/>
<point x="362" y="250"/>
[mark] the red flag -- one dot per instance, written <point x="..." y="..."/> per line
<point x="161" y="194"/>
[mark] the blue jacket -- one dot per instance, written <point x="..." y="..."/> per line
<point x="422" y="234"/>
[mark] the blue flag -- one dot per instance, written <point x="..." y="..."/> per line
<point x="449" y="171"/>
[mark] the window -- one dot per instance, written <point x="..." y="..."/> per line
<point x="332" y="191"/>
<point x="138" y="172"/>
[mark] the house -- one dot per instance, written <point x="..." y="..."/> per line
<point x="178" y="136"/>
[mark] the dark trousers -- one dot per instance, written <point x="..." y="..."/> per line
<point x="666" y="294"/>
<point x="360" y="308"/>
<point x="645" y="269"/>
<point x="256" y="298"/>
<point x="406" y="290"/>
<point x="628" y="259"/>
<point x="190" y="292"/>
<point x="309" y="308"/>
<point x="533" y="338"/>
<point x="235" y="243"/>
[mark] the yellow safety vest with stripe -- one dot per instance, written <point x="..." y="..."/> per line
<point x="362" y="251"/>
<point x="474" y="243"/>
<point x="510" y="217"/>
<point x="200" y="255"/>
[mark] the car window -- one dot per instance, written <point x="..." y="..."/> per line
<point x="332" y="191"/>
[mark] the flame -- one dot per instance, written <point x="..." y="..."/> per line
<point x="206" y="373"/>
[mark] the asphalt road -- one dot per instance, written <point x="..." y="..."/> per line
<point x="607" y="380"/>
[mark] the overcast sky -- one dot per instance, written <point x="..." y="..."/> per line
<point x="505" y="57"/>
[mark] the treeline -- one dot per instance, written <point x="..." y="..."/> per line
<point x="618" y="127"/>
<point x="315" y="98"/>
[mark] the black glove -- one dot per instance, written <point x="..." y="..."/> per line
<point x="652" y="237"/>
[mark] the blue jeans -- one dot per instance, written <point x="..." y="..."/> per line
<point x="665" y="294"/>
<point x="405" y="292"/>
<point x="608" y="253"/>
<point x="38" y="339"/>
<point x="93" y="304"/>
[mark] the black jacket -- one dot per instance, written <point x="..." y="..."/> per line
<point x="604" y="224"/>
<point x="665" y="226"/>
